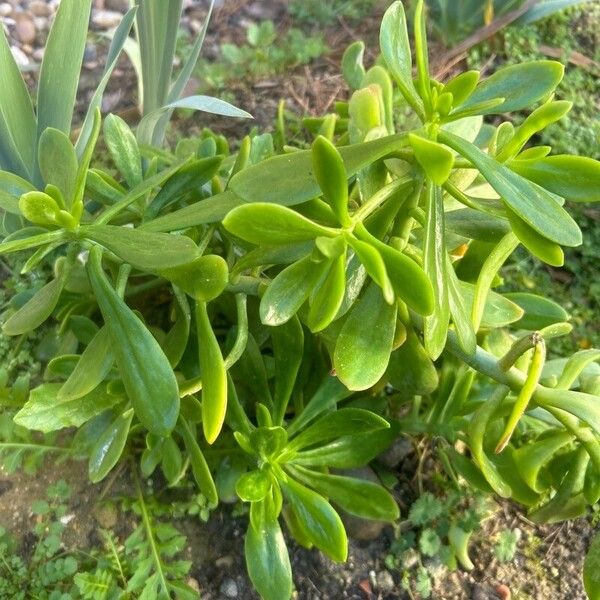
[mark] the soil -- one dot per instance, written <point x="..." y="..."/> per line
<point x="549" y="558"/>
<point x="546" y="566"/>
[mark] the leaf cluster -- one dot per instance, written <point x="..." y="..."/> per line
<point x="265" y="323"/>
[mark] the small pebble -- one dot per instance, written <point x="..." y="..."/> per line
<point x="229" y="588"/>
<point x="385" y="582"/>
<point x="39" y="8"/>
<point x="224" y="562"/>
<point x="106" y="19"/>
<point x="118" y="5"/>
<point x="90" y="53"/>
<point x="401" y="449"/>
<point x="19" y="56"/>
<point x="41" y="23"/>
<point x="5" y="9"/>
<point x="503" y="591"/>
<point x="25" y="30"/>
<point x="66" y="519"/>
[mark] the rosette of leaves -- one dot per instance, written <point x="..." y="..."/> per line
<point x="288" y="477"/>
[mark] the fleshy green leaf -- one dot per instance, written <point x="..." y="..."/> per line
<point x="539" y="312"/>
<point x="520" y="85"/>
<point x="289" y="290"/>
<point x="32" y="241"/>
<point x="364" y="345"/>
<point x="32" y="314"/>
<point x="348" y="452"/>
<point x="410" y="370"/>
<point x="317" y="519"/>
<point x="498" y="310"/>
<point x="435" y="263"/>
<point x="200" y="468"/>
<point x="214" y="376"/>
<point x="537" y="207"/>
<point x="352" y="64"/>
<point x="253" y="486"/>
<point x="267" y="559"/>
<point x="91" y="369"/>
<point x="207" y="211"/>
<point x="326" y="302"/>
<point x="462" y="86"/>
<point x="144" y="250"/>
<point x="288" y="348"/>
<point x="186" y="182"/>
<point x="109" y="447"/>
<point x="547" y="251"/>
<point x="46" y="411"/>
<point x="530" y="458"/>
<point x="476" y="225"/>
<point x="147" y="376"/>
<point x="58" y="162"/>
<point x="574" y="178"/>
<point x="372" y="261"/>
<point x="330" y="174"/>
<point x="269" y="224"/>
<point x="289" y="179"/>
<point x="204" y="279"/>
<point x="357" y="497"/>
<point x="436" y="160"/>
<point x="123" y="149"/>
<point x="39" y="208"/>
<point x="345" y="421"/>
<point x="395" y="48"/>
<point x="408" y="279"/>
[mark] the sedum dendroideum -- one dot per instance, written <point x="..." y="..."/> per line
<point x="257" y="320"/>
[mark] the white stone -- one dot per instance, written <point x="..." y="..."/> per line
<point x="106" y="19"/>
<point x="19" y="56"/>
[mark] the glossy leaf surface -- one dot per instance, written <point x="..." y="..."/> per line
<point x="147" y="376"/>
